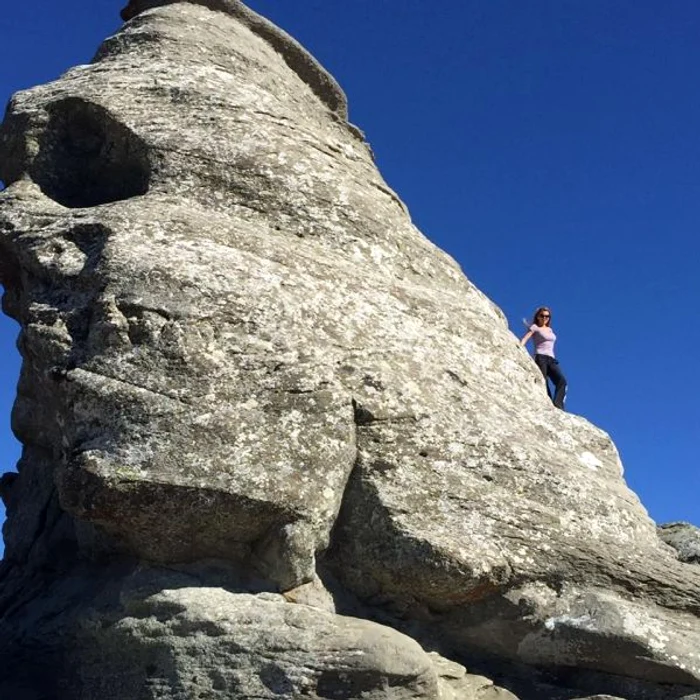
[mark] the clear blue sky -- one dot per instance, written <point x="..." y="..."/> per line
<point x="551" y="146"/>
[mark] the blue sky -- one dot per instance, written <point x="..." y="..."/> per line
<point x="552" y="147"/>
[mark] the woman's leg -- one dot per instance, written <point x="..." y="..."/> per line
<point x="559" y="380"/>
<point x="543" y="361"/>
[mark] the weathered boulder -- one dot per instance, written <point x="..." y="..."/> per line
<point x="115" y="634"/>
<point x="237" y="347"/>
<point x="684" y="538"/>
<point x="207" y="642"/>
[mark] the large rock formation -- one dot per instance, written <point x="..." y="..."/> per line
<point x="248" y="380"/>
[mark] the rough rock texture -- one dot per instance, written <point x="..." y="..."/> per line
<point x="297" y="58"/>
<point x="237" y="348"/>
<point x="684" y="538"/>
<point x="146" y="633"/>
<point x="211" y="643"/>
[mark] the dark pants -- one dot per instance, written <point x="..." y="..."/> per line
<point x="550" y="369"/>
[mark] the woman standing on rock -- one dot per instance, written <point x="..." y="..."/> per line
<point x="543" y="337"/>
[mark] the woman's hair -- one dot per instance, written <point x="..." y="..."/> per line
<point x="539" y="310"/>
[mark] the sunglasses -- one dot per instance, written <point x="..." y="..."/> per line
<point x="543" y="316"/>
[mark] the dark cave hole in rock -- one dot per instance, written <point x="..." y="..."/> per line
<point x="87" y="157"/>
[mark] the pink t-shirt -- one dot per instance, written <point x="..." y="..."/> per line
<point x="543" y="337"/>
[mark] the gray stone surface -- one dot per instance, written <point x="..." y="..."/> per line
<point x="237" y="347"/>
<point x="684" y="538"/>
<point x="208" y="643"/>
<point x="322" y="83"/>
<point x="145" y="633"/>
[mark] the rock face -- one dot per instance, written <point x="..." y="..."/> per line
<point x="684" y="538"/>
<point x="220" y="644"/>
<point x="240" y="356"/>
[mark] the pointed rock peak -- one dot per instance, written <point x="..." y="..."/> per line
<point x="295" y="55"/>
